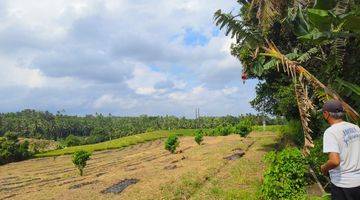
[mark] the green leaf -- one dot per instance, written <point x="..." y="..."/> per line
<point x="352" y="23"/>
<point x="301" y="27"/>
<point x="354" y="88"/>
<point x="325" y="4"/>
<point x="315" y="36"/>
<point x="321" y="19"/>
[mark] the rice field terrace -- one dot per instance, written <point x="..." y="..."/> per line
<point x="217" y="169"/>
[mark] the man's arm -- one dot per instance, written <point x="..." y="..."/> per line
<point x="333" y="162"/>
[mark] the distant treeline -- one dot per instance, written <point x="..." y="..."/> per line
<point x="45" y="125"/>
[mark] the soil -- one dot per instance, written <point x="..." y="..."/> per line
<point x="149" y="162"/>
<point x="238" y="154"/>
<point x="82" y="184"/>
<point x="121" y="186"/>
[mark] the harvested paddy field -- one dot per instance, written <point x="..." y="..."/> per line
<point x="145" y="171"/>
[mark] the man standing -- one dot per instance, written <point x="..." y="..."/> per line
<point x="342" y="143"/>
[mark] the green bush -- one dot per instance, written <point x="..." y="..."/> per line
<point x="95" y="138"/>
<point x="317" y="158"/>
<point x="172" y="143"/>
<point x="293" y="130"/>
<point x="221" y="131"/>
<point x="243" y="128"/>
<point x="286" y="175"/>
<point x="72" y="140"/>
<point x="79" y="159"/>
<point x="199" y="136"/>
<point x="12" y="150"/>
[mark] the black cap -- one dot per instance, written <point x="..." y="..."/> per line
<point x="333" y="106"/>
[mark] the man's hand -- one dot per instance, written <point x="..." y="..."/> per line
<point x="323" y="170"/>
<point x="333" y="162"/>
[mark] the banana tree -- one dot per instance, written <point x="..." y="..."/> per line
<point x="303" y="79"/>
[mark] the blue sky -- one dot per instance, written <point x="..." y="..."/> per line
<point x="125" y="57"/>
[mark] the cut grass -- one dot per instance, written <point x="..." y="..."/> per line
<point x="272" y="128"/>
<point x="118" y="143"/>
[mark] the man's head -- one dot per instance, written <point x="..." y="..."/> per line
<point x="333" y="111"/>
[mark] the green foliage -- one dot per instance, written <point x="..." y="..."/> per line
<point x="97" y="128"/>
<point x="11" y="150"/>
<point x="199" y="136"/>
<point x="271" y="128"/>
<point x="285" y="177"/>
<point x="243" y="128"/>
<point x="324" y="38"/>
<point x="222" y="130"/>
<point x="293" y="131"/>
<point x="317" y="158"/>
<point x="79" y="159"/>
<point x="172" y="143"/>
<point x="72" y="140"/>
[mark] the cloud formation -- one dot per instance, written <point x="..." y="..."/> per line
<point x="122" y="57"/>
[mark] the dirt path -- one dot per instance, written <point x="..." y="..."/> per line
<point x="152" y="171"/>
<point x="242" y="178"/>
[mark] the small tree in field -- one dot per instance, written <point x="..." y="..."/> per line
<point x="172" y="143"/>
<point x="243" y="128"/>
<point x="79" y="159"/>
<point x="199" y="136"/>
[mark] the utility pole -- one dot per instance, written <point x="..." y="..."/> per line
<point x="197" y="116"/>
<point x="263" y="121"/>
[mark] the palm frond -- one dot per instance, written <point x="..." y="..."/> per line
<point x="268" y="12"/>
<point x="305" y="78"/>
<point x="341" y="7"/>
<point x="305" y="106"/>
<point x="307" y="55"/>
<point x="231" y="24"/>
<point x="355" y="89"/>
<point x="293" y="68"/>
<point x="339" y="50"/>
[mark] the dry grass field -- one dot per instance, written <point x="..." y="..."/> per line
<point x="198" y="172"/>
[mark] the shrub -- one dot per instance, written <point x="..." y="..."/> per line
<point x="172" y="143"/>
<point x="95" y="138"/>
<point x="285" y="177"/>
<point x="12" y="150"/>
<point x="243" y="128"/>
<point x="317" y="158"/>
<point x="222" y="131"/>
<point x="293" y="131"/>
<point x="199" y="136"/>
<point x="72" y="140"/>
<point x="79" y="159"/>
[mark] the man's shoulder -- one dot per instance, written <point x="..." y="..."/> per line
<point x="340" y="127"/>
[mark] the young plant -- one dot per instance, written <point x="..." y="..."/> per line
<point x="243" y="128"/>
<point x="199" y="137"/>
<point x="172" y="143"/>
<point x="79" y="159"/>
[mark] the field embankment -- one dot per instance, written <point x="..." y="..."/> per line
<point x="118" y="143"/>
<point x="198" y="172"/>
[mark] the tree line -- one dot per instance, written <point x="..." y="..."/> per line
<point x="45" y="125"/>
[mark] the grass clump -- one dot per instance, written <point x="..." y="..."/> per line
<point x="199" y="137"/>
<point x="172" y="143"/>
<point x="79" y="159"/>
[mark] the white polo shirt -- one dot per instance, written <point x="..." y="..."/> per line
<point x="344" y="138"/>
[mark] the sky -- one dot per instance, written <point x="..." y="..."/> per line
<point x="124" y="57"/>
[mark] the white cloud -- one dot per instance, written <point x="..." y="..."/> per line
<point x="144" y="80"/>
<point x="113" y="55"/>
<point x="109" y="100"/>
<point x="230" y="90"/>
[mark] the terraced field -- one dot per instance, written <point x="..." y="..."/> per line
<point x="153" y="172"/>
